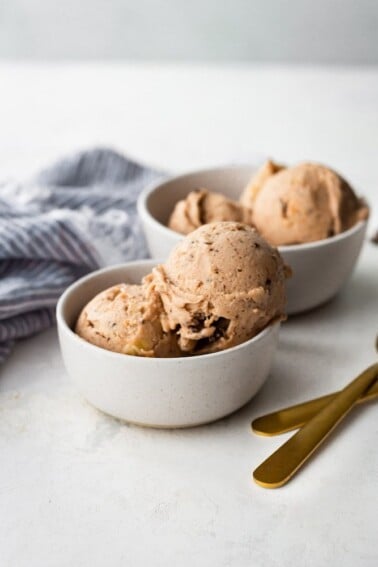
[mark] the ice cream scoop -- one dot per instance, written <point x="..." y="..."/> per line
<point x="299" y="204"/>
<point x="220" y="286"/>
<point x="125" y="319"/>
<point x="249" y="194"/>
<point x="202" y="207"/>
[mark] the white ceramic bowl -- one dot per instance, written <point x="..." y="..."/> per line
<point x="320" y="268"/>
<point x="158" y="392"/>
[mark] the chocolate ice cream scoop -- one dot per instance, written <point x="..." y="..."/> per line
<point x="125" y="319"/>
<point x="299" y="204"/>
<point x="220" y="286"/>
<point x="202" y="207"/>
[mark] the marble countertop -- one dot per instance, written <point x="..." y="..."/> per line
<point x="80" y="488"/>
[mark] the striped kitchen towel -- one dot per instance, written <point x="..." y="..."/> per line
<point x="74" y="217"/>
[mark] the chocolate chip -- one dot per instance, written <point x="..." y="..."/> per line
<point x="221" y="325"/>
<point x="283" y="208"/>
<point x="198" y="322"/>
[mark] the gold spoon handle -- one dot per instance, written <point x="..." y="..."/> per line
<point x="286" y="461"/>
<point x="294" y="417"/>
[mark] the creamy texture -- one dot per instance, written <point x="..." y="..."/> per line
<point x="126" y="319"/>
<point x="220" y="286"/>
<point x="249" y="194"/>
<point x="203" y="207"/>
<point x="299" y="204"/>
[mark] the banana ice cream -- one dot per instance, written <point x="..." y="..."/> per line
<point x="299" y="204"/>
<point x="203" y="207"/>
<point x="126" y="319"/>
<point x="219" y="287"/>
<point x="266" y="171"/>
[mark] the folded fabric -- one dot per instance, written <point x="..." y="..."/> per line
<point x="78" y="215"/>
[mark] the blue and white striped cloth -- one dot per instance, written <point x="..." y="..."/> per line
<point x="74" y="217"/>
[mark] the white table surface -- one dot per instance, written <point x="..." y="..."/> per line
<point x="79" y="488"/>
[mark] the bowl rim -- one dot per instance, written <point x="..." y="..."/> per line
<point x="72" y="289"/>
<point x="146" y="215"/>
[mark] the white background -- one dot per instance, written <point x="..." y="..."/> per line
<point x="321" y="31"/>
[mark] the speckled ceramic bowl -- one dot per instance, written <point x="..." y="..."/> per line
<point x="320" y="269"/>
<point x="158" y="392"/>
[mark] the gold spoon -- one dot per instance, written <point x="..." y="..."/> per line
<point x="287" y="460"/>
<point x="294" y="417"/>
